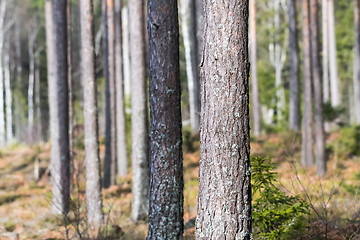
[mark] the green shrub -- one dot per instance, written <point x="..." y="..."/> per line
<point x="275" y="215"/>
<point x="348" y="143"/>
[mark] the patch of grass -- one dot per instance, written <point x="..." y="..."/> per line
<point x="9" y="226"/>
<point x="9" y="198"/>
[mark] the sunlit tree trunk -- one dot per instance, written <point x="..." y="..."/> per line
<point x="2" y="107"/>
<point x="91" y="141"/>
<point x="8" y="98"/>
<point x="307" y="141"/>
<point x="224" y="199"/>
<point x="37" y="98"/>
<point x="32" y="41"/>
<point x="334" y="79"/>
<point x="61" y="168"/>
<point x="139" y="114"/>
<point x="166" y="170"/>
<point x="325" y="50"/>
<point x="126" y="50"/>
<point x="254" y="75"/>
<point x="122" y="166"/>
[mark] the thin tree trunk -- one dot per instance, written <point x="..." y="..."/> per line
<point x="189" y="36"/>
<point x="18" y="76"/>
<point x="91" y="141"/>
<point x="122" y="166"/>
<point x="166" y="170"/>
<point x="307" y="141"/>
<point x="2" y="107"/>
<point x="315" y="68"/>
<point x="32" y="40"/>
<point x="294" y="107"/>
<point x="139" y="114"/>
<point x="68" y="28"/>
<point x="224" y="200"/>
<point x="325" y="50"/>
<point x="8" y="98"/>
<point x="126" y="50"/>
<point x="334" y="80"/>
<point x="37" y="98"/>
<point x="61" y="168"/>
<point x="254" y="76"/>
<point x="357" y="60"/>
<point x="200" y="27"/>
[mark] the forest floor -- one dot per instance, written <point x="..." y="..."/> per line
<point x="24" y="202"/>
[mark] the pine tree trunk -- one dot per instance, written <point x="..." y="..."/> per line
<point x="91" y="141"/>
<point x="254" y="76"/>
<point x="139" y="114"/>
<point x="325" y="51"/>
<point x="2" y="107"/>
<point x="126" y="50"/>
<point x="122" y="166"/>
<point x="315" y="68"/>
<point x="294" y="106"/>
<point x="334" y="80"/>
<point x="200" y="27"/>
<point x="32" y="39"/>
<point x="166" y="166"/>
<point x="8" y="99"/>
<point x="189" y="36"/>
<point x="37" y="98"/>
<point x="61" y="168"/>
<point x="68" y="28"/>
<point x="307" y="141"/>
<point x="224" y="200"/>
<point x="357" y="58"/>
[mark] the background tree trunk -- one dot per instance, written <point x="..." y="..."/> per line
<point x="139" y="115"/>
<point x="71" y="138"/>
<point x="32" y="40"/>
<point x="2" y="107"/>
<point x="92" y="159"/>
<point x="126" y="50"/>
<point x="294" y="106"/>
<point x="325" y="50"/>
<point x="37" y="98"/>
<point x="307" y="141"/>
<point x="357" y="60"/>
<point x="224" y="181"/>
<point x="166" y="164"/>
<point x="334" y="79"/>
<point x="254" y="77"/>
<point x="61" y="169"/>
<point x="315" y="67"/>
<point x="8" y="98"/>
<point x="122" y="165"/>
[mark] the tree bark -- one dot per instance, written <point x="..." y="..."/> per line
<point x="122" y="165"/>
<point x="2" y="107"/>
<point x="315" y="68"/>
<point x="91" y="141"/>
<point x="61" y="168"/>
<point x="224" y="200"/>
<point x="68" y="28"/>
<point x="307" y="141"/>
<point x="37" y="97"/>
<point x="254" y="77"/>
<point x="334" y="80"/>
<point x="32" y="40"/>
<point x="200" y="27"/>
<point x="189" y="36"/>
<point x="139" y="114"/>
<point x="126" y="50"/>
<point x="325" y="50"/>
<point x="8" y="98"/>
<point x="166" y="164"/>
<point x="294" y="107"/>
<point x="357" y="58"/>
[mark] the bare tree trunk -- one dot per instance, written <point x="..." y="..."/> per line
<point x="37" y="98"/>
<point x="61" y="168"/>
<point x="8" y="98"/>
<point x="18" y="77"/>
<point x="294" y="108"/>
<point x="92" y="159"/>
<point x="139" y="114"/>
<point x="122" y="166"/>
<point x="68" y="28"/>
<point x="325" y="50"/>
<point x="357" y="60"/>
<point x="254" y="77"/>
<point x="307" y="141"/>
<point x="126" y="50"/>
<point x="189" y="36"/>
<point x="2" y="107"/>
<point x="166" y="170"/>
<point x="32" y="40"/>
<point x="315" y="67"/>
<point x="334" y="79"/>
<point x="224" y="200"/>
<point x="200" y="26"/>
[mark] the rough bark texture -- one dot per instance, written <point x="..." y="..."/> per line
<point x="108" y="120"/>
<point x="357" y="57"/>
<point x="91" y="141"/>
<point x="334" y="80"/>
<point x="139" y="114"/>
<point x="315" y="68"/>
<point x="294" y="106"/>
<point x="254" y="76"/>
<point x="166" y="165"/>
<point x="191" y="55"/>
<point x="61" y="169"/>
<point x="325" y="50"/>
<point x="122" y="166"/>
<point x="224" y="200"/>
<point x="166" y="189"/>
<point x="307" y="141"/>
